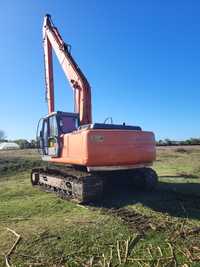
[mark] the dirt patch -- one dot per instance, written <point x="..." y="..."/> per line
<point x="135" y="221"/>
<point x="187" y="175"/>
<point x="182" y="150"/>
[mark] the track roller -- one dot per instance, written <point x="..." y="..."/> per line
<point x="35" y="177"/>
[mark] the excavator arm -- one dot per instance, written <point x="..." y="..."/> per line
<point x="82" y="91"/>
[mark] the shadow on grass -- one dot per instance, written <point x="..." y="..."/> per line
<point x="181" y="176"/>
<point x="176" y="199"/>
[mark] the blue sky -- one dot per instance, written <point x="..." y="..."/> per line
<point x="142" y="59"/>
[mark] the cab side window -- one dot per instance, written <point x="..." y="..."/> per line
<point x="45" y="131"/>
<point x="53" y="127"/>
<point x="68" y="124"/>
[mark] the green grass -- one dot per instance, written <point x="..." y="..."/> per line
<point x="12" y="161"/>
<point x="55" y="232"/>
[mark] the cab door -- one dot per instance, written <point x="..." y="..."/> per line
<point x="53" y="137"/>
<point x="45" y="136"/>
<point x="42" y="136"/>
<point x="48" y="137"/>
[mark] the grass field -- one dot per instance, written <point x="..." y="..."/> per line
<point x="127" y="228"/>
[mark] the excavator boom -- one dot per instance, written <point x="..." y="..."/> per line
<point x="52" y="40"/>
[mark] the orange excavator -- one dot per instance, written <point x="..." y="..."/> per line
<point x="83" y="156"/>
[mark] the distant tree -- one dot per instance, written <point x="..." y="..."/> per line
<point x="188" y="142"/>
<point x="33" y="144"/>
<point x="195" y="141"/>
<point x="182" y="143"/>
<point x="160" y="143"/>
<point x="167" y="142"/>
<point x="2" y="135"/>
<point x="23" y="143"/>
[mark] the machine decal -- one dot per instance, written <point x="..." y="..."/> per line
<point x="97" y="138"/>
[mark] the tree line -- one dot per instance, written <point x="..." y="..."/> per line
<point x="168" y="142"/>
<point x="23" y="143"/>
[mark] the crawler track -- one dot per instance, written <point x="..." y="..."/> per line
<point x="83" y="187"/>
<point x="69" y="184"/>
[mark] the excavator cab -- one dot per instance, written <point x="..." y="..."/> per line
<point x="50" y="131"/>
